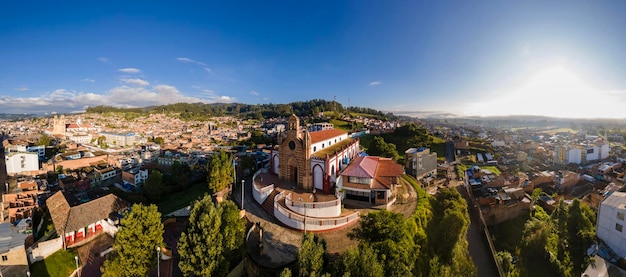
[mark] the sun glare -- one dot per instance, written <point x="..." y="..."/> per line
<point x="554" y="91"/>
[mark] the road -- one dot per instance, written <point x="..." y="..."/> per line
<point x="478" y="245"/>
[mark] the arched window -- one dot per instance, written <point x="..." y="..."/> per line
<point x="322" y="146"/>
<point x="314" y="148"/>
<point x="332" y="170"/>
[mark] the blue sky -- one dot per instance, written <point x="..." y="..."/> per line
<point x="561" y="58"/>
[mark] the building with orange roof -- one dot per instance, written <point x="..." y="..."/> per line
<point x="370" y="179"/>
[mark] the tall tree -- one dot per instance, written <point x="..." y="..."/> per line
<point x="214" y="238"/>
<point x="389" y="236"/>
<point x="311" y="256"/>
<point x="220" y="171"/>
<point x="44" y="140"/>
<point x="379" y="147"/>
<point x="141" y="232"/>
<point x="361" y="262"/>
<point x="154" y="186"/>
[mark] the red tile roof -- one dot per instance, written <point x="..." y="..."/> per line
<point x="377" y="168"/>
<point x="320" y="136"/>
<point x="364" y="167"/>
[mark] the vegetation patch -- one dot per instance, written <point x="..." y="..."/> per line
<point x="61" y="263"/>
<point x="175" y="201"/>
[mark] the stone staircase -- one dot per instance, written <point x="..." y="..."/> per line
<point x="268" y="205"/>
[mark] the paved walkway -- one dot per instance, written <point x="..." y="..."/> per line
<point x="478" y="245"/>
<point x="281" y="237"/>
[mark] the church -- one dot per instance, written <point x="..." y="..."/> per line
<point x="312" y="160"/>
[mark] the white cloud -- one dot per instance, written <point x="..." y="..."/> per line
<point x="265" y="98"/>
<point x="198" y="63"/>
<point x="62" y="100"/>
<point x="22" y="88"/>
<point x="254" y="93"/>
<point x="137" y="82"/>
<point x="89" y="80"/>
<point x="375" y="83"/>
<point x="130" y="70"/>
<point x="188" y="60"/>
<point x="103" y="59"/>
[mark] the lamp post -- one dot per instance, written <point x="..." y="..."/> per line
<point x="76" y="259"/>
<point x="243" y="183"/>
<point x="158" y="249"/>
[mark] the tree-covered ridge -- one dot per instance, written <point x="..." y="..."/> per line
<point x="204" y="111"/>
<point x="432" y="242"/>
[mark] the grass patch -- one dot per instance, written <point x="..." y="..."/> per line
<point x="493" y="169"/>
<point x="61" y="263"/>
<point x="175" y="201"/>
<point x="341" y="125"/>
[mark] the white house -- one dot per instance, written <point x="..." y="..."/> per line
<point x="611" y="222"/>
<point x="17" y="162"/>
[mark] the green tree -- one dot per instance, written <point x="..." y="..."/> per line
<point x="311" y="256"/>
<point x="219" y="171"/>
<point x="213" y="240"/>
<point x="379" y="147"/>
<point x="286" y="272"/>
<point x="141" y="232"/>
<point x="154" y="187"/>
<point x="361" y="261"/>
<point x="387" y="233"/>
<point x="581" y="233"/>
<point x="44" y="140"/>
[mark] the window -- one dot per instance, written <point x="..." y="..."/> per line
<point x="618" y="227"/>
<point x="5" y="258"/>
<point x="620" y="215"/>
<point x="314" y="148"/>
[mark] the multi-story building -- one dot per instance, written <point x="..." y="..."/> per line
<point x="135" y="176"/>
<point x="419" y="162"/>
<point x="39" y="149"/>
<point x="17" y="162"/>
<point x="14" y="261"/>
<point x="578" y="154"/>
<point x="567" y="155"/>
<point x="611" y="222"/>
<point x="371" y="179"/>
<point x="82" y="138"/>
<point x="122" y="139"/>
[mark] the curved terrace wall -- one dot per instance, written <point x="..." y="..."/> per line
<point x="296" y="221"/>
<point x="314" y="209"/>
<point x="260" y="193"/>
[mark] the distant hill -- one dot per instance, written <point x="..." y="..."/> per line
<point x="259" y="111"/>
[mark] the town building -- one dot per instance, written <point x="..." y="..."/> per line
<point x="299" y="186"/>
<point x="13" y="259"/>
<point x="20" y="205"/>
<point x="419" y="162"/>
<point x="122" y="139"/>
<point x="611" y="222"/>
<point x="135" y="176"/>
<point x="80" y="222"/>
<point x="371" y="179"/>
<point x="312" y="159"/>
<point x="18" y="162"/>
